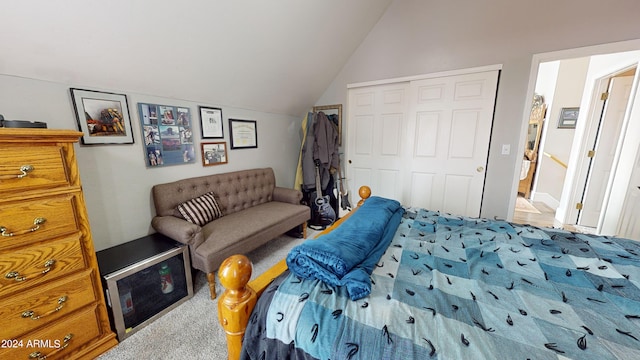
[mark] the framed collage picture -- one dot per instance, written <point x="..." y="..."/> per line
<point x="167" y="133"/>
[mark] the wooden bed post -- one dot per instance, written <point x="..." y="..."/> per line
<point x="365" y="193"/>
<point x="236" y="302"/>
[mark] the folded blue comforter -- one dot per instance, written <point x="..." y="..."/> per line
<point x="347" y="255"/>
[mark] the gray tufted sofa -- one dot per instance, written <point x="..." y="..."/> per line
<point x="255" y="211"/>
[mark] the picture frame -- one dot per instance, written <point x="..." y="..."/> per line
<point x="211" y="122"/>
<point x="244" y="134"/>
<point x="103" y="117"/>
<point x="330" y="111"/>
<point x="568" y="118"/>
<point x="214" y="153"/>
<point x="167" y="134"/>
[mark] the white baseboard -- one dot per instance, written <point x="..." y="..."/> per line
<point x="547" y="199"/>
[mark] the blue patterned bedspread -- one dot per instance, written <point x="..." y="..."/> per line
<point x="463" y="288"/>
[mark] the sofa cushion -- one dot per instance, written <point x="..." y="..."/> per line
<point x="201" y="210"/>
<point x="244" y="231"/>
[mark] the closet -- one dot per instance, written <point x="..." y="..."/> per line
<point x="424" y="140"/>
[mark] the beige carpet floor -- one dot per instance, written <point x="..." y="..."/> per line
<point x="191" y="330"/>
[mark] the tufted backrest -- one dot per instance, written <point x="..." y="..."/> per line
<point x="235" y="190"/>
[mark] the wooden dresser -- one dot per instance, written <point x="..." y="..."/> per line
<point x="51" y="299"/>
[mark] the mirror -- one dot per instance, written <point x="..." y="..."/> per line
<point x="532" y="135"/>
<point x="536" y="119"/>
<point x="333" y="110"/>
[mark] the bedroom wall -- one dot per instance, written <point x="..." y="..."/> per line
<point x="568" y="93"/>
<point x="545" y="86"/>
<point x="116" y="182"/>
<point x="427" y="36"/>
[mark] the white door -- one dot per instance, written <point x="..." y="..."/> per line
<point x="605" y="150"/>
<point x="630" y="219"/>
<point x="377" y="115"/>
<point x="423" y="142"/>
<point x="449" y="129"/>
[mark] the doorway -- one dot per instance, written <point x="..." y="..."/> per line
<point x="575" y="181"/>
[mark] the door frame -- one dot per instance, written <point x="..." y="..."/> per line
<point x="564" y="212"/>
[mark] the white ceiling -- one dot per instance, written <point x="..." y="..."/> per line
<point x="273" y="56"/>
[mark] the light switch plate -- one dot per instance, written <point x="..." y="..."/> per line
<point x="506" y="149"/>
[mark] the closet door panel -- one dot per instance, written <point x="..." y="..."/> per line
<point x="423" y="142"/>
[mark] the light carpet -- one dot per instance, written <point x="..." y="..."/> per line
<point x="191" y="330"/>
<point x="524" y="205"/>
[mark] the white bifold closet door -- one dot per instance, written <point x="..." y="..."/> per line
<point x="423" y="142"/>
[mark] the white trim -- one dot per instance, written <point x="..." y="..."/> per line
<point x="495" y="67"/>
<point x="545" y="198"/>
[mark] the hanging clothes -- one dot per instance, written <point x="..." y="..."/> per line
<point x="325" y="148"/>
<point x="306" y="155"/>
<point x="308" y="119"/>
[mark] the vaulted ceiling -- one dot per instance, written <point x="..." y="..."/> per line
<point x="274" y="56"/>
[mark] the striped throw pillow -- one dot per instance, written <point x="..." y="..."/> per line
<point x="201" y="210"/>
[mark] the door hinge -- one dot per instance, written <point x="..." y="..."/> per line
<point x="591" y="153"/>
<point x="579" y="206"/>
<point x="604" y="96"/>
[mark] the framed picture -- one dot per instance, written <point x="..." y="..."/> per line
<point x="102" y="117"/>
<point x="568" y="118"/>
<point x="244" y="134"/>
<point x="214" y="153"/>
<point x="211" y="123"/>
<point x="167" y="134"/>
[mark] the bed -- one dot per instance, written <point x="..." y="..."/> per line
<point x="446" y="287"/>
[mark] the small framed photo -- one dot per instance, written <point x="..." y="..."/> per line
<point x="568" y="118"/>
<point x="244" y="134"/>
<point x="102" y="117"/>
<point x="211" y="123"/>
<point x="214" y="153"/>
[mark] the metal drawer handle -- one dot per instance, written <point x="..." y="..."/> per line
<point x="24" y="169"/>
<point x="40" y="356"/>
<point x="31" y="314"/>
<point x="36" y="225"/>
<point x="17" y="277"/>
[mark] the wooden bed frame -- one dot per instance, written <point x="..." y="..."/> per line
<point x="237" y="301"/>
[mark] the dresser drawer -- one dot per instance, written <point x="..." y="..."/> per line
<point x="46" y="162"/>
<point x="33" y="309"/>
<point x="54" y="341"/>
<point x="28" y="221"/>
<point x="27" y="267"/>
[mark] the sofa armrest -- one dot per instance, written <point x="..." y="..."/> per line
<point x="287" y="195"/>
<point x="178" y="229"/>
